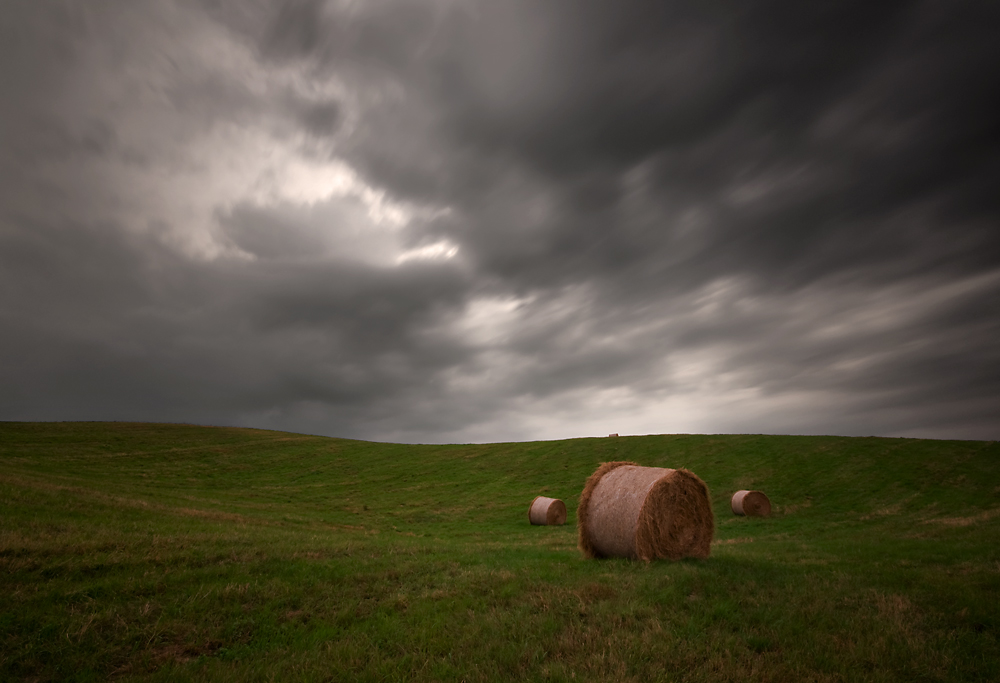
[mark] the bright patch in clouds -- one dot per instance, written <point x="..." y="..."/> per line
<point x="287" y="176"/>
<point x="442" y="251"/>
<point x="173" y="171"/>
<point x="491" y="320"/>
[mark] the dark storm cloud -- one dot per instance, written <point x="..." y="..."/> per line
<point x="128" y="321"/>
<point x="767" y="216"/>
<point x="794" y="125"/>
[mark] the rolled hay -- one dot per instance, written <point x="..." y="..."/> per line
<point x="547" y="511"/>
<point x="751" y="504"/>
<point x="644" y="513"/>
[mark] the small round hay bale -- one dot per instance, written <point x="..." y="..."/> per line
<point x="547" y="511"/>
<point x="751" y="504"/>
<point x="644" y="513"/>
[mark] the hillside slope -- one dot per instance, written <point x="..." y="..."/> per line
<point x="173" y="552"/>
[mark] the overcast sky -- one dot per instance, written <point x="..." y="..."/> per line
<point x="453" y="221"/>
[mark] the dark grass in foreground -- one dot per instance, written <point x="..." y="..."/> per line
<point x="175" y="553"/>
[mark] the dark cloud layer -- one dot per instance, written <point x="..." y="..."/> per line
<point x="474" y="221"/>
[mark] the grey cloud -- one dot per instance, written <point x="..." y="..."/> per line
<point x="322" y="118"/>
<point x="790" y="203"/>
<point x="583" y="93"/>
<point x="129" y="325"/>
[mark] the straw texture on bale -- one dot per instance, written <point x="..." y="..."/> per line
<point x="644" y="513"/>
<point x="751" y="504"/>
<point x="547" y="511"/>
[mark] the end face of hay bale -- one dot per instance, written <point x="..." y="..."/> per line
<point x="751" y="504"/>
<point x="645" y="513"/>
<point x="676" y="519"/>
<point x="547" y="511"/>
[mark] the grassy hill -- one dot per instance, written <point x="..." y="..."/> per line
<point x="175" y="553"/>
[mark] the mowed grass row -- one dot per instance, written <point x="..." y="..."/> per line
<point x="181" y="553"/>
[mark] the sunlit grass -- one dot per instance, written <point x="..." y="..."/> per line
<point x="167" y="552"/>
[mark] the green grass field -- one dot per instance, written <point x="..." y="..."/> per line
<point x="180" y="553"/>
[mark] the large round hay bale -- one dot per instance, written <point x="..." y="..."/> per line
<point x="547" y="511"/>
<point x="751" y="504"/>
<point x="644" y="513"/>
